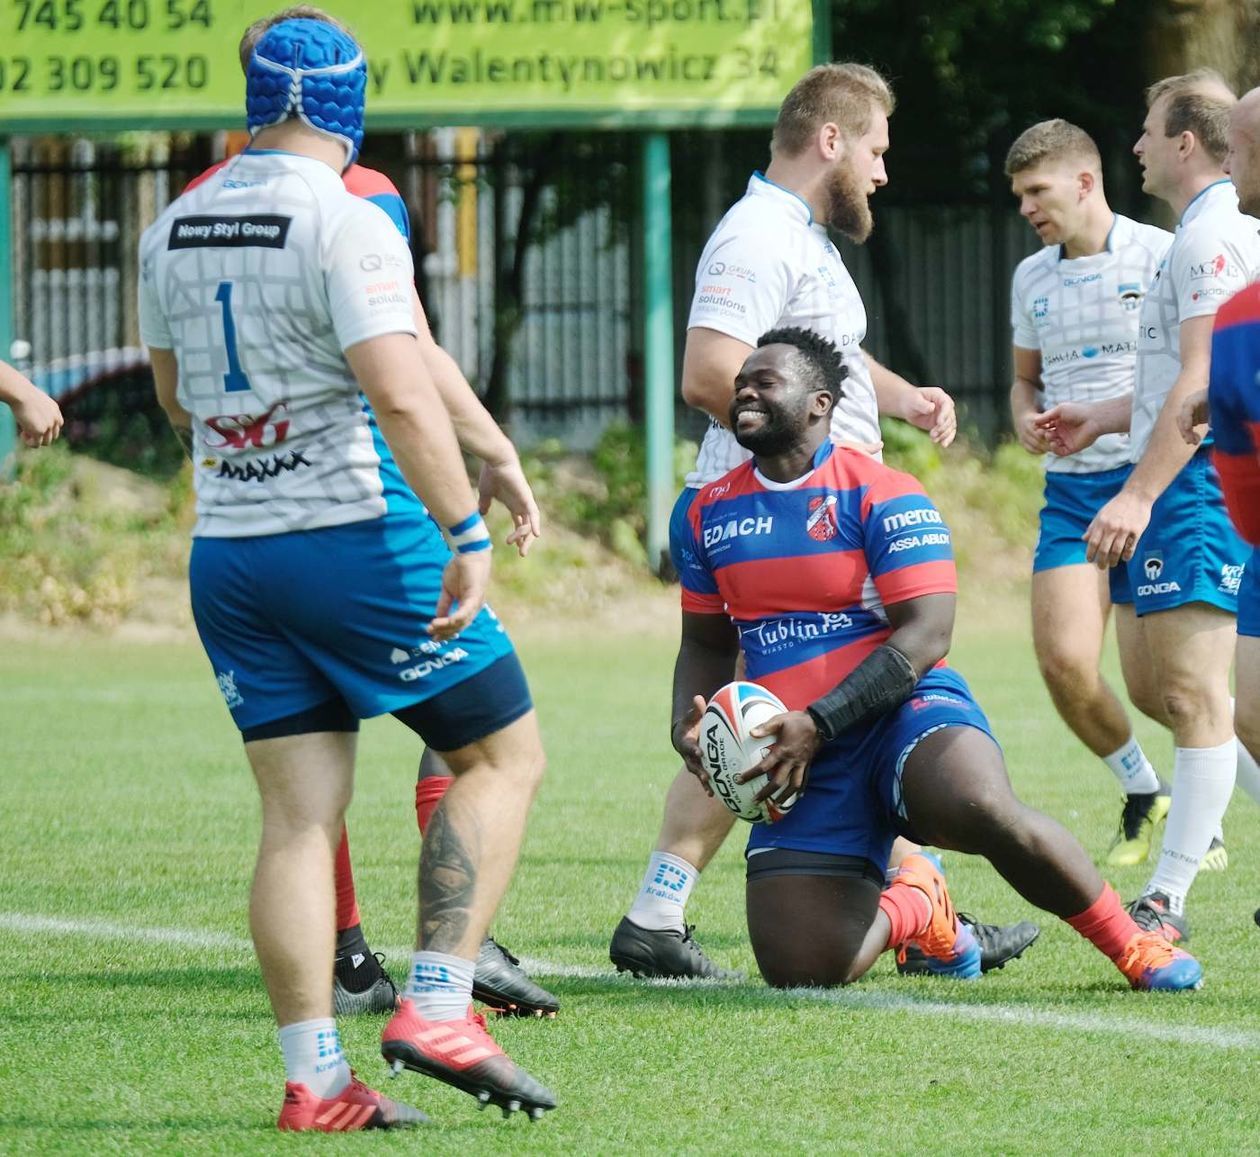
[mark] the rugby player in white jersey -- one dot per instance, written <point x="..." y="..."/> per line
<point x="272" y="301"/>
<point x="769" y="263"/>
<point x="1074" y="314"/>
<point x="1234" y="396"/>
<point x="1168" y="523"/>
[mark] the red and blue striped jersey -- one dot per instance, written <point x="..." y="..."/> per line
<point x="805" y="569"/>
<point x="1234" y="399"/>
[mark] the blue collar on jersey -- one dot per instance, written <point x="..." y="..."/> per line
<point x="758" y="175"/>
<point x="1199" y="195"/>
<point x="1115" y="220"/>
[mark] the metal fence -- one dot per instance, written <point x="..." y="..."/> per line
<point x="934" y="279"/>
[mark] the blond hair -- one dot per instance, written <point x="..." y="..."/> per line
<point x="256" y="31"/>
<point x="1198" y="103"/>
<point x="1052" y="140"/>
<point x="845" y="95"/>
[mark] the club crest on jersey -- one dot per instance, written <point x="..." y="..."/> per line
<point x="821" y="523"/>
<point x="1130" y="295"/>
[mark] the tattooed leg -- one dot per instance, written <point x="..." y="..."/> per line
<point x="474" y="837"/>
<point x="448" y="876"/>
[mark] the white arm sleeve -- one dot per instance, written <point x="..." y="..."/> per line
<point x="1208" y="271"/>
<point x="741" y="289"/>
<point x="368" y="273"/>
<point x="154" y="331"/>
<point x="1024" y="334"/>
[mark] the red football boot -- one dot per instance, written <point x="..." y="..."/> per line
<point x="463" y="1054"/>
<point x="355" y="1107"/>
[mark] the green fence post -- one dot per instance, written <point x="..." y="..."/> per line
<point x="8" y="428"/>
<point x="658" y="339"/>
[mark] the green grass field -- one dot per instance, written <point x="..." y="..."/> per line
<point x="132" y="1018"/>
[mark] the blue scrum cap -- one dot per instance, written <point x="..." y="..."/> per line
<point x="312" y="70"/>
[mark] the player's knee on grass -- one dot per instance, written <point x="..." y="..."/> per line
<point x="809" y="930"/>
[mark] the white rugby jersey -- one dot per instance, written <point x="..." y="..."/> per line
<point x="770" y="264"/>
<point x="1215" y="252"/>
<point x="1081" y="315"/>
<point x="258" y="279"/>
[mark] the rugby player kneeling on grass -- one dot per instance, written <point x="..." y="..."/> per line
<point x="847" y="618"/>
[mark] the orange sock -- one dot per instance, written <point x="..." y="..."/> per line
<point x="343" y="879"/>
<point x="1106" y="924"/>
<point x="429" y="793"/>
<point x="903" y="905"/>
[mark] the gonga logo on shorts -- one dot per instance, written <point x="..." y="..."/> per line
<point x="821" y="524"/>
<point x="1154" y="566"/>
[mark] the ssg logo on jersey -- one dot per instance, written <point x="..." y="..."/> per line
<point x="821" y="524"/>
<point x="241" y="430"/>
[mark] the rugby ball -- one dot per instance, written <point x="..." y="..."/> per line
<point x="727" y="748"/>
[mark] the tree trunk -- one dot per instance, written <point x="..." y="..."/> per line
<point x="510" y="277"/>
<point x="1183" y="35"/>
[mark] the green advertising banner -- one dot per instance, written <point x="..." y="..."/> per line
<point x="73" y="65"/>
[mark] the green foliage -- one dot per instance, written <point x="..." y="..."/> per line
<point x="604" y="499"/>
<point x="909" y="449"/>
<point x="990" y="500"/>
<point x="970" y="75"/>
<point x="78" y="539"/>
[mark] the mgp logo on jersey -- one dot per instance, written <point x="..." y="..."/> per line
<point x="256" y="231"/>
<point x="1219" y="266"/>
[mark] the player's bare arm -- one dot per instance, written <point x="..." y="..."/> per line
<point x="927" y="407"/>
<point x="706" y="656"/>
<point x="166" y="385"/>
<point x="922" y="631"/>
<point x="415" y="425"/>
<point x="1073" y="426"/>
<point x="37" y="415"/>
<point x="710" y="362"/>
<point x="1192" y="419"/>
<point x="1113" y="535"/>
<point x="1026" y="400"/>
<point x="502" y="478"/>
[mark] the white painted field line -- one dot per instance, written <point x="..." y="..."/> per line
<point x="1016" y="1015"/>
<point x="111" y="930"/>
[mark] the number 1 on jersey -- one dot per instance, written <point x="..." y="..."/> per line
<point x="235" y="380"/>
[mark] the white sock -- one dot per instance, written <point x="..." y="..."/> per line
<point x="1203" y="780"/>
<point x="440" y="985"/>
<point x="1248" y="772"/>
<point x="661" y="904"/>
<point x="1132" y="769"/>
<point x="313" y="1056"/>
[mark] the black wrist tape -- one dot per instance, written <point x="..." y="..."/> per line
<point x="882" y="681"/>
